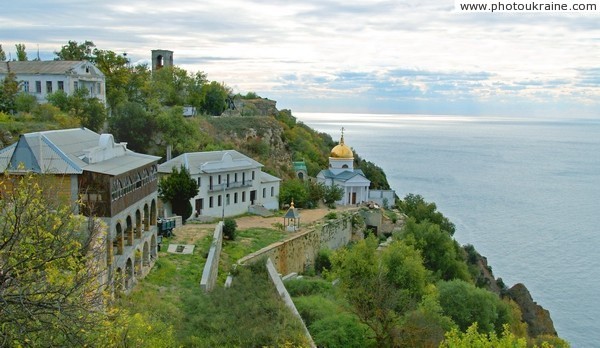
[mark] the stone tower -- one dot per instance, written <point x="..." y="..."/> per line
<point x="161" y="58"/>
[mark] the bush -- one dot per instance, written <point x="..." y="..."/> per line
<point x="323" y="261"/>
<point x="331" y="215"/>
<point x="307" y="287"/>
<point x="229" y="227"/>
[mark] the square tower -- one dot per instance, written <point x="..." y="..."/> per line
<point x="161" y="58"/>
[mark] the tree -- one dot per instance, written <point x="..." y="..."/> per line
<point x="133" y="124"/>
<point x="2" y="55"/>
<point x="25" y="102"/>
<point x="51" y="277"/>
<point x="467" y="304"/>
<point x="441" y="254"/>
<point x="380" y="286"/>
<point x="76" y="51"/>
<point x="293" y="190"/>
<point x="176" y="131"/>
<point x="474" y="338"/>
<point x="415" y="206"/>
<point x="8" y="93"/>
<point x="21" y="53"/>
<point x="229" y="226"/>
<point x="332" y="194"/>
<point x="178" y="188"/>
<point x="214" y="98"/>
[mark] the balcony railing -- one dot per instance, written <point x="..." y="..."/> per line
<point x="231" y="185"/>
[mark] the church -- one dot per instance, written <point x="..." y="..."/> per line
<point x="341" y="172"/>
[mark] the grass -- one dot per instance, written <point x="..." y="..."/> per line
<point x="171" y="294"/>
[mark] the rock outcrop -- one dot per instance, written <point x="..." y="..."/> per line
<point x="537" y="318"/>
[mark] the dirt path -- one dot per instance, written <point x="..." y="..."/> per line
<point x="191" y="232"/>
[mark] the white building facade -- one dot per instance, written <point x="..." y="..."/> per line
<point x="341" y="172"/>
<point x="42" y="78"/>
<point x="229" y="183"/>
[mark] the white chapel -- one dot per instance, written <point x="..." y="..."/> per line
<point x="341" y="172"/>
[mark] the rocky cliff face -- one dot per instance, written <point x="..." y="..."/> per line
<point x="537" y="318"/>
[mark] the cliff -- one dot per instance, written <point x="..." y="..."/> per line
<point x="537" y="318"/>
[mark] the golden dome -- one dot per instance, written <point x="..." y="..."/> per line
<point x="342" y="150"/>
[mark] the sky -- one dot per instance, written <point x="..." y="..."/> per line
<point x="401" y="56"/>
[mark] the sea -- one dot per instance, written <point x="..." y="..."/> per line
<point x="524" y="191"/>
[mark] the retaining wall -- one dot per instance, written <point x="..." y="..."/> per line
<point x="297" y="253"/>
<point x="211" y="268"/>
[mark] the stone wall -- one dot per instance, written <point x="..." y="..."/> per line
<point x="297" y="253"/>
<point x="287" y="299"/>
<point x="211" y="268"/>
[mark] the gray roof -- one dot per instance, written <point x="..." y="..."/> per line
<point x="266" y="177"/>
<point x="52" y="67"/>
<point x="210" y="162"/>
<point x="343" y="176"/>
<point x="292" y="213"/>
<point x="64" y="152"/>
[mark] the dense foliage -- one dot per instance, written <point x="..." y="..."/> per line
<point x="415" y="292"/>
<point x="52" y="287"/>
<point x="178" y="188"/>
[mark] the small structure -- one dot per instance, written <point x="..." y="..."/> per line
<point x="300" y="169"/>
<point x="291" y="219"/>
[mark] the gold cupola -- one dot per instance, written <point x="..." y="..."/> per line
<point x="341" y="150"/>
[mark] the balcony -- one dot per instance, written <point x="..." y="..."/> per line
<point x="232" y="185"/>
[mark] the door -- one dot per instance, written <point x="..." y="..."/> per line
<point x="199" y="206"/>
<point x="252" y="196"/>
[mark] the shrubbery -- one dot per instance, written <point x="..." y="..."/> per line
<point x="229" y="228"/>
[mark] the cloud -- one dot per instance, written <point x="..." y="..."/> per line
<point x="403" y="54"/>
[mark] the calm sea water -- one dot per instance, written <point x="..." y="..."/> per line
<point x="525" y="192"/>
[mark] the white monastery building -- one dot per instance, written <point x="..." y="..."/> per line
<point x="42" y="78"/>
<point x="341" y="172"/>
<point x="229" y="183"/>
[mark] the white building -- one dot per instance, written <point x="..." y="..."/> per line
<point x="341" y="172"/>
<point x="41" y="78"/>
<point x="229" y="183"/>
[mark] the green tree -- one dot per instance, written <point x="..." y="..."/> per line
<point x="8" y="93"/>
<point x="380" y="286"/>
<point x="94" y="114"/>
<point x="2" y="55"/>
<point x="131" y="123"/>
<point x="332" y="194"/>
<point x="293" y="190"/>
<point x="60" y="99"/>
<point x="214" y="98"/>
<point x="441" y="254"/>
<point x="21" y="53"/>
<point x="118" y="77"/>
<point x="229" y="227"/>
<point x="76" y="51"/>
<point x="25" y="102"/>
<point x="50" y="278"/>
<point x="415" y="206"/>
<point x="178" y="188"/>
<point x="176" y="131"/>
<point x="473" y="337"/>
<point x="467" y="304"/>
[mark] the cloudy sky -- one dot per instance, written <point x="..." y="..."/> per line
<point x="400" y="56"/>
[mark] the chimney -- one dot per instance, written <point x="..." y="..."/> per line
<point x="169" y="149"/>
